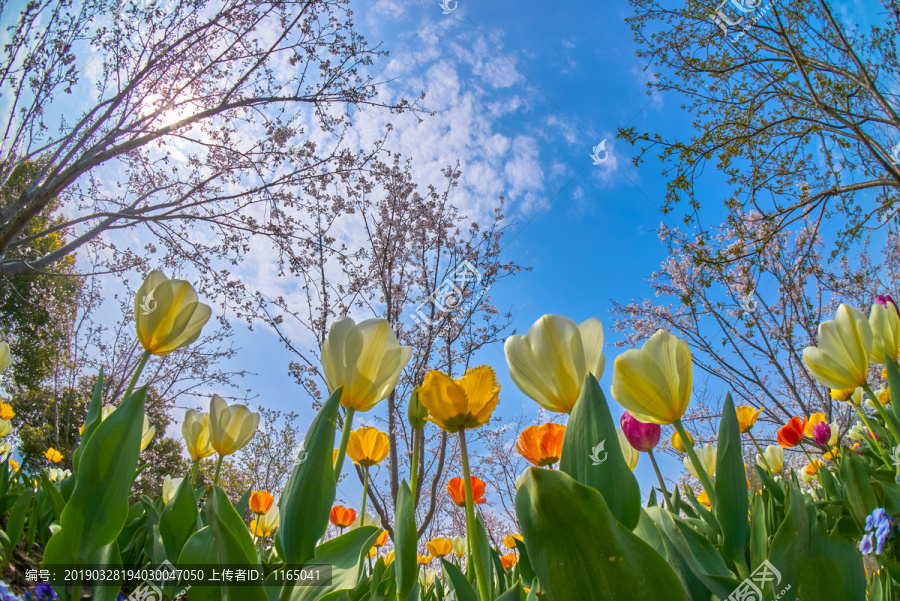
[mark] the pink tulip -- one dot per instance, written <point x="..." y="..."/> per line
<point x="643" y="437"/>
<point x="884" y="300"/>
<point x="822" y="433"/>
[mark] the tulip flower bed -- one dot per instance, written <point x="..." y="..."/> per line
<point x="828" y="531"/>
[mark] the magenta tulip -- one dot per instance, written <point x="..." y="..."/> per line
<point x="643" y="437"/>
<point x="884" y="300"/>
<point x="822" y="433"/>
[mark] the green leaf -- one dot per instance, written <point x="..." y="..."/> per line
<point x="487" y="553"/>
<point x="759" y="534"/>
<point x="345" y="554"/>
<point x="515" y="593"/>
<point x="855" y="476"/>
<point x="893" y="378"/>
<point x="405" y="538"/>
<point x="178" y="520"/>
<point x="524" y="563"/>
<point x="650" y="533"/>
<point x="732" y="506"/>
<point x="96" y="511"/>
<point x="16" y="522"/>
<point x="590" y="425"/>
<point x="833" y="569"/>
<point x="92" y="420"/>
<point x="580" y="551"/>
<point x="53" y="496"/>
<point x="457" y="582"/>
<point x="790" y="545"/>
<point x="309" y="492"/>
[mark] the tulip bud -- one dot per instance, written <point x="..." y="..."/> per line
<point x="416" y="412"/>
<point x="169" y="488"/>
<point x="460" y="547"/>
<point x="774" y="456"/>
<point x="678" y="444"/>
<point x="230" y="426"/>
<point x="439" y="547"/>
<point x="168" y="314"/>
<point x="821" y="433"/>
<point x="195" y="430"/>
<point x="707" y="456"/>
<point x="643" y="437"/>
<point x="426" y="577"/>
<point x="857" y="431"/>
<point x="885" y="323"/>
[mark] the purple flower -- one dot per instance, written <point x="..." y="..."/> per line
<point x="822" y="433"/>
<point x="642" y="437"/>
<point x="874" y="519"/>
<point x="865" y="545"/>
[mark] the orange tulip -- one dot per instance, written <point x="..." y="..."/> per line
<point x="791" y="433"/>
<point x="508" y="560"/>
<point x="542" y="445"/>
<point x="457" y="490"/>
<point x="261" y="502"/>
<point x="341" y="516"/>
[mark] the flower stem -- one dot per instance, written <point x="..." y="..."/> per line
<point x="414" y="469"/>
<point x="881" y="450"/>
<point x="345" y="438"/>
<point x="137" y="372"/>
<point x="662" y="482"/>
<point x="218" y="467"/>
<point x="362" y="511"/>
<point x="761" y="454"/>
<point x="701" y="472"/>
<point x="194" y="470"/>
<point x="470" y="520"/>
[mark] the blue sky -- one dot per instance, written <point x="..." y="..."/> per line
<point x="563" y="81"/>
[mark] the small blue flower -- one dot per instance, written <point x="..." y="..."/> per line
<point x="874" y="519"/>
<point x="865" y="545"/>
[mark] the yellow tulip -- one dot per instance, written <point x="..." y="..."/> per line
<point x="364" y="359"/>
<point x="53" y="456"/>
<point x="460" y="547"/>
<point x="509" y="541"/>
<point x="811" y="471"/>
<point x="13" y="465"/>
<point x="550" y="362"/>
<point x="460" y="404"/>
<point x="814" y="419"/>
<point x="195" y="431"/>
<point x="389" y="558"/>
<point x="774" y="456"/>
<point x="368" y="446"/>
<point x="6" y="411"/>
<point x="439" y="547"/>
<point x="168" y="314"/>
<point x="746" y="416"/>
<point x="169" y="488"/>
<point x="842" y="358"/>
<point x="5" y="358"/>
<point x="5" y="428"/>
<point x="704" y="498"/>
<point x="885" y="324"/>
<point x="628" y="452"/>
<point x="423" y="559"/>
<point x="230" y="426"/>
<point x="5" y="448"/>
<point x="653" y="383"/>
<point x="707" y="456"/>
<point x="677" y="442"/>
<point x="266" y="523"/>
